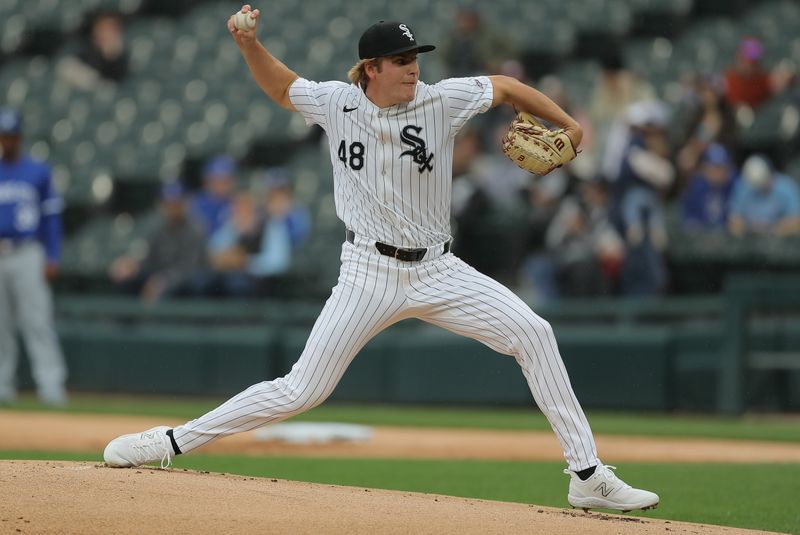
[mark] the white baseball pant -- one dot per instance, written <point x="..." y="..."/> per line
<point x="26" y="304"/>
<point x="376" y="291"/>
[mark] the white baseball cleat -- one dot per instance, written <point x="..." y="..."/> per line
<point x="604" y="490"/>
<point x="140" y="448"/>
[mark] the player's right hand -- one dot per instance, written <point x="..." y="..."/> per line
<point x="244" y="38"/>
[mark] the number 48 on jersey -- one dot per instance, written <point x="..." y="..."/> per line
<point x="352" y="155"/>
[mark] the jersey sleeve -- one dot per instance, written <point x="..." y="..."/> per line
<point x="312" y="99"/>
<point x="466" y="97"/>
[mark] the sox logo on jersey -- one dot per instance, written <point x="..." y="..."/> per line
<point x="419" y="152"/>
<point x="381" y="198"/>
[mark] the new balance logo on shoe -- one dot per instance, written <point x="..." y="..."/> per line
<point x="604" y="490"/>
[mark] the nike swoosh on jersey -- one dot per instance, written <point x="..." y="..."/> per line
<point x="348" y="110"/>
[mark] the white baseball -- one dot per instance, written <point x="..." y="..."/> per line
<point x="243" y="21"/>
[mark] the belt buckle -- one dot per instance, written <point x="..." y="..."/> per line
<point x="397" y="251"/>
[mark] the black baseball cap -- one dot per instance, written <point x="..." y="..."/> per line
<point x="388" y="38"/>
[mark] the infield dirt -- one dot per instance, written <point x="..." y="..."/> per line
<point x="52" y="497"/>
<point x="48" y="431"/>
<point x="88" y="498"/>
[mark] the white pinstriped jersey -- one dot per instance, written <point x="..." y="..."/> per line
<point x="393" y="166"/>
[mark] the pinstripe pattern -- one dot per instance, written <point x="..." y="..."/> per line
<point x="400" y="201"/>
<point x="372" y="293"/>
<point x="367" y="298"/>
<point x="390" y="199"/>
<point x="455" y="296"/>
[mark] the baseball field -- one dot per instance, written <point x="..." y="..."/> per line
<point x="422" y="470"/>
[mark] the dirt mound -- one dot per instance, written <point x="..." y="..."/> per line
<point x="88" y="498"/>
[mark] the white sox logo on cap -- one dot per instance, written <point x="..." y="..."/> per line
<point x="387" y="38"/>
<point x="406" y="32"/>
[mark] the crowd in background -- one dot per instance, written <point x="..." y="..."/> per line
<point x="601" y="225"/>
<point x="222" y="241"/>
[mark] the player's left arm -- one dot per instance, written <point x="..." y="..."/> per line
<point x="507" y="90"/>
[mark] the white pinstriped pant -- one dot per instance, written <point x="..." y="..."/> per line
<point x="376" y="291"/>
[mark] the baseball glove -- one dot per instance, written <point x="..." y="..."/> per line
<point x="534" y="147"/>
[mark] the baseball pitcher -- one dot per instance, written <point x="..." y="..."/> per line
<point x="391" y="144"/>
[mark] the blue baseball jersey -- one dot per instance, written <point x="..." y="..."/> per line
<point x="767" y="207"/>
<point x="30" y="208"/>
<point x="211" y="211"/>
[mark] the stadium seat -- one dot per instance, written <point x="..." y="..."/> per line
<point x="611" y="17"/>
<point x="775" y="123"/>
<point x="793" y="169"/>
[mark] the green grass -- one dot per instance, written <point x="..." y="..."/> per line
<point x="747" y="496"/>
<point x="751" y="427"/>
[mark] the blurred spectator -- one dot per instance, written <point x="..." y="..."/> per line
<point x="644" y="270"/>
<point x="281" y="208"/>
<point x="30" y="248"/>
<point x="229" y="250"/>
<point x="764" y="201"/>
<point x="613" y="92"/>
<point x="471" y="205"/>
<point x="584" y="252"/>
<point x="250" y="252"/>
<point x="544" y="196"/>
<point x="212" y="206"/>
<point x="705" y="202"/>
<point x="748" y="82"/>
<point x="102" y="57"/>
<point x="473" y="47"/>
<point x="486" y="207"/>
<point x="175" y="250"/>
<point x="712" y="120"/>
<point x="645" y="173"/>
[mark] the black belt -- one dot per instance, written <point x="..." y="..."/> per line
<point x="406" y="255"/>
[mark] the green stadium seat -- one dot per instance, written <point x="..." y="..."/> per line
<point x="96" y="244"/>
<point x="578" y="78"/>
<point x="603" y="16"/>
<point x="793" y="169"/>
<point x="774" y="123"/>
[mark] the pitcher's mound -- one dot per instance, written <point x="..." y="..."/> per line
<point x="88" y="498"/>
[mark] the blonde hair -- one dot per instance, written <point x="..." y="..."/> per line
<point x="358" y="72"/>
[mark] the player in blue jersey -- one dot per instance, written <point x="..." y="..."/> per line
<point x="30" y="247"/>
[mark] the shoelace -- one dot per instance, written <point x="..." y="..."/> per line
<point x="613" y="477"/>
<point x="152" y="451"/>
